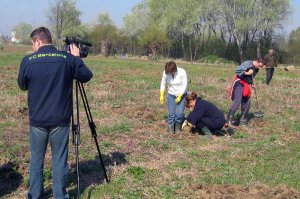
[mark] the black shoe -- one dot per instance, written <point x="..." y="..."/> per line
<point x="230" y="118"/>
<point x="230" y="131"/>
<point x="218" y="133"/>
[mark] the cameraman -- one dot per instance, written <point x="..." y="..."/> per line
<point x="48" y="76"/>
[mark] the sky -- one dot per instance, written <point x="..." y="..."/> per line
<point x="13" y="12"/>
<point x="294" y="22"/>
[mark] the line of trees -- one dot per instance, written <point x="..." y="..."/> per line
<point x="227" y="28"/>
<point x="188" y="29"/>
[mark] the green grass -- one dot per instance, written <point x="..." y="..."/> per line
<point x="124" y="100"/>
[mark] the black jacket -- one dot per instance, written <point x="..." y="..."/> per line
<point x="48" y="76"/>
<point x="206" y="114"/>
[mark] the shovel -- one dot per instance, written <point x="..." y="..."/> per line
<point x="259" y="113"/>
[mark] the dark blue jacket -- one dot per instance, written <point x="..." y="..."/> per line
<point x="48" y="76"/>
<point x="206" y="114"/>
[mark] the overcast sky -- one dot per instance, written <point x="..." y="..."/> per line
<point x="34" y="12"/>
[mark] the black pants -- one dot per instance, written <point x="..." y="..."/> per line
<point x="269" y="75"/>
<point x="212" y="124"/>
<point x="239" y="100"/>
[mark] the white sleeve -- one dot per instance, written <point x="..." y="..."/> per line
<point x="163" y="82"/>
<point x="184" y="82"/>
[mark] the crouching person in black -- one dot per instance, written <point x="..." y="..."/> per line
<point x="205" y="115"/>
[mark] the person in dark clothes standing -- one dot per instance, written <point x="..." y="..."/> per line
<point x="271" y="62"/>
<point x="48" y="76"/>
<point x="205" y="115"/>
<point x="240" y="91"/>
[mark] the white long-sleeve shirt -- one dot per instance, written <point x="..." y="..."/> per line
<point x="177" y="85"/>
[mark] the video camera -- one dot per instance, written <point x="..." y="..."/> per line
<point x="82" y="44"/>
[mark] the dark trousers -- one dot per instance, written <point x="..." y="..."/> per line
<point x="211" y="124"/>
<point x="239" y="100"/>
<point x="269" y="75"/>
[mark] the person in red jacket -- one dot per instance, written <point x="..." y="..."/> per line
<point x="240" y="91"/>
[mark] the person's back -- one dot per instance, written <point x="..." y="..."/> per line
<point x="209" y="110"/>
<point x="245" y="67"/>
<point x="48" y="76"/>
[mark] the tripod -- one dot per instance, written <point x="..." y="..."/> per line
<point x="76" y="131"/>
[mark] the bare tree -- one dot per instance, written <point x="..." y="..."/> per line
<point x="62" y="16"/>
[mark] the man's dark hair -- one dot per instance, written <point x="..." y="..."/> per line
<point x="170" y="68"/>
<point x="262" y="60"/>
<point x="42" y="34"/>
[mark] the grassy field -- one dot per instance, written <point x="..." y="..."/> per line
<point x="141" y="158"/>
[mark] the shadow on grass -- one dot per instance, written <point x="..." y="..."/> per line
<point x="10" y="179"/>
<point x="91" y="171"/>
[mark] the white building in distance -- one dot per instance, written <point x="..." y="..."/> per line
<point x="13" y="38"/>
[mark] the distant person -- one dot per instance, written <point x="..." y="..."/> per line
<point x="176" y="80"/>
<point x="123" y="53"/>
<point x="204" y="115"/>
<point x="48" y="76"/>
<point x="271" y="62"/>
<point x="240" y="91"/>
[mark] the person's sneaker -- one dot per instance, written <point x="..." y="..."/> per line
<point x="218" y="133"/>
<point x="232" y="121"/>
<point x="243" y="123"/>
<point x="230" y="131"/>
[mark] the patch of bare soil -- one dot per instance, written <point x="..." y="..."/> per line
<point x="12" y="48"/>
<point x="238" y="192"/>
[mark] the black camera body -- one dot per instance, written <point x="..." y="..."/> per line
<point x="82" y="44"/>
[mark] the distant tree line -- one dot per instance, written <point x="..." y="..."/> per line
<point x="191" y="30"/>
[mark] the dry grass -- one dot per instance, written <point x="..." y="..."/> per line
<point x="142" y="159"/>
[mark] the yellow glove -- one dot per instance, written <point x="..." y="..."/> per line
<point x="178" y="98"/>
<point x="161" y="98"/>
<point x="186" y="123"/>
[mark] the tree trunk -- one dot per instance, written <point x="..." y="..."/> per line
<point x="197" y="46"/>
<point x="239" y="46"/>
<point x="191" y="51"/>
<point x="154" y="47"/>
<point x="106" y="47"/>
<point x="182" y="45"/>
<point x="258" y="48"/>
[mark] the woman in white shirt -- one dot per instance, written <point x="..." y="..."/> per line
<point x="176" y="80"/>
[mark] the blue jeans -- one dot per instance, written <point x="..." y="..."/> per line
<point x="175" y="110"/>
<point x="58" y="138"/>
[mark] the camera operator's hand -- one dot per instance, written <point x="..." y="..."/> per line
<point x="74" y="50"/>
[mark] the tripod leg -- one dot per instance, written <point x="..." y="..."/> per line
<point x="76" y="142"/>
<point x="76" y="139"/>
<point x="91" y="125"/>
<point x="101" y="159"/>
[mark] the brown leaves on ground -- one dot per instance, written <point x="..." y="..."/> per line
<point x="237" y="192"/>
